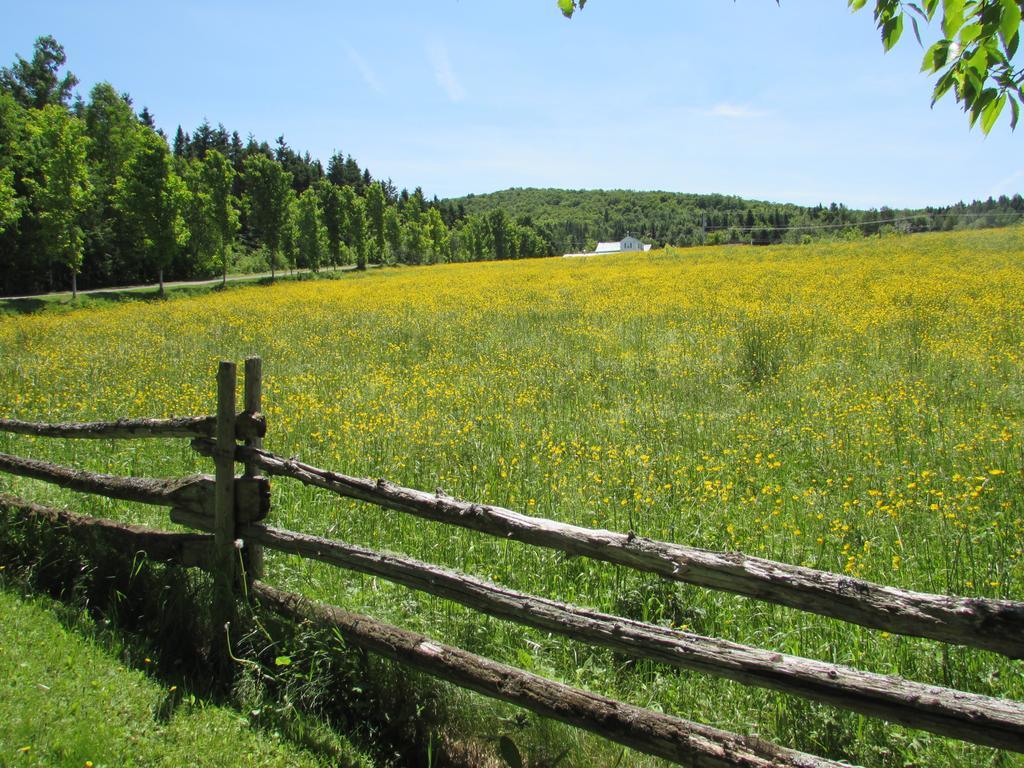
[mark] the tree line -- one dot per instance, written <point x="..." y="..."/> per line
<point x="93" y="193"/>
<point x="575" y="220"/>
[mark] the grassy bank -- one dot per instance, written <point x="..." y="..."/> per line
<point x="854" y="407"/>
<point x="72" y="694"/>
<point x="61" y="302"/>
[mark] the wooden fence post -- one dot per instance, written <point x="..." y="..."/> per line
<point x="225" y="556"/>
<point x="253" y="405"/>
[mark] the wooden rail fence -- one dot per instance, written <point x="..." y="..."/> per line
<point x="230" y="510"/>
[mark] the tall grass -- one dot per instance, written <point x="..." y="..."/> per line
<point x="853" y="407"/>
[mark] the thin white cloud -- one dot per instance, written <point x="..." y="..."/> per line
<point x="368" y="75"/>
<point x="1010" y="184"/>
<point x="733" y="111"/>
<point x="443" y="72"/>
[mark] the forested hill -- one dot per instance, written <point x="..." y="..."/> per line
<point x="573" y="220"/>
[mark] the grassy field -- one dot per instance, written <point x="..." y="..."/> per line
<point x="855" y="407"/>
<point x="68" y="699"/>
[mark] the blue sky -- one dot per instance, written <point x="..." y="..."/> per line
<point x="794" y="103"/>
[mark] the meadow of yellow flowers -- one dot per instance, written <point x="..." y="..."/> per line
<point x="856" y="407"/>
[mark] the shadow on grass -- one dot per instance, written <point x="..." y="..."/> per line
<point x="22" y="306"/>
<point x="333" y="700"/>
<point x="64" y="303"/>
<point x="106" y="297"/>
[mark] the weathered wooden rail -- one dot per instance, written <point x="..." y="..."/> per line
<point x="231" y="510"/>
<point x="995" y="625"/>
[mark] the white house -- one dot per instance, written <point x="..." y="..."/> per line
<point x="628" y="243"/>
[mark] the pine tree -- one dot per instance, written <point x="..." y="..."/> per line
<point x="181" y="144"/>
<point x="336" y="169"/>
<point x="36" y="83"/>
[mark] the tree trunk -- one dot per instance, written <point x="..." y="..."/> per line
<point x="161" y="282"/>
<point x="74" y="284"/>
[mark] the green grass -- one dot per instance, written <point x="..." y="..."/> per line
<point x="62" y="302"/>
<point x="68" y="699"/>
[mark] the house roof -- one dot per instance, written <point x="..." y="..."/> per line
<point x="608" y="247"/>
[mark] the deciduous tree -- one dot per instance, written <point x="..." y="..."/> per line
<point x="267" y="185"/>
<point x="501" y="234"/>
<point x="333" y="217"/>
<point x="393" y="233"/>
<point x="8" y="202"/>
<point x="63" y="192"/>
<point x="114" y="133"/>
<point x="290" y="230"/>
<point x="12" y="125"/>
<point x="437" y="233"/>
<point x="414" y="241"/>
<point x="218" y="177"/>
<point x="152" y="200"/>
<point x="358" y="233"/>
<point x="311" y="233"/>
<point x="375" y="204"/>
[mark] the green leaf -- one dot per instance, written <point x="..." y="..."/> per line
<point x="1009" y="22"/>
<point x="510" y="752"/>
<point x="1014" y="113"/>
<point x="1011" y="45"/>
<point x="970" y="33"/>
<point x="979" y="103"/>
<point x="856" y="5"/>
<point x="283" y="661"/>
<point x="891" y="31"/>
<point x="945" y="82"/>
<point x="977" y="64"/>
<point x="990" y="113"/>
<point x="988" y="13"/>
<point x="935" y="57"/>
<point x="952" y="17"/>
<point x="567" y="7"/>
<point x="918" y="11"/>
